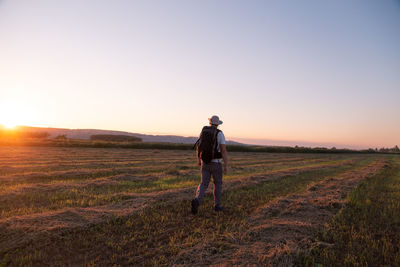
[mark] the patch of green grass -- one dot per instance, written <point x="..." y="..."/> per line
<point x="367" y="231"/>
<point x="156" y="234"/>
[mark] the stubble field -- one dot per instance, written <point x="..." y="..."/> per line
<point x="130" y="207"/>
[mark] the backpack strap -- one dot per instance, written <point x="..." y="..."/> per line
<point x="216" y="135"/>
<point x="215" y="145"/>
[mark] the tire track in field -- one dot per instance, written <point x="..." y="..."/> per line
<point x="283" y="228"/>
<point x="17" y="230"/>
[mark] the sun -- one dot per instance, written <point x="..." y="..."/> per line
<point x="9" y="125"/>
<point x="13" y="114"/>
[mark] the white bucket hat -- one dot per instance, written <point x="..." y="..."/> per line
<point x="215" y="120"/>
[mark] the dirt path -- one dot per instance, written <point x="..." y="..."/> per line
<point x="30" y="228"/>
<point x="279" y="231"/>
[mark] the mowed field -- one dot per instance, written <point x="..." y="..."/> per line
<point x="131" y="207"/>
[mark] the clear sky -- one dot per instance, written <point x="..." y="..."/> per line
<point x="296" y="72"/>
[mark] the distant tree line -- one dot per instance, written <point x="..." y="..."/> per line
<point x="23" y="134"/>
<point x="394" y="149"/>
<point x="40" y="135"/>
<point x="115" y="138"/>
<point x="126" y="141"/>
<point x="288" y="149"/>
<point x="61" y="137"/>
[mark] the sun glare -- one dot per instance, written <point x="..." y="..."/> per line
<point x="12" y="115"/>
<point x="9" y="125"/>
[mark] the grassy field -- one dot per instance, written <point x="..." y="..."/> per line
<point x="113" y="206"/>
<point x="367" y="231"/>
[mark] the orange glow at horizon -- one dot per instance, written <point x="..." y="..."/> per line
<point x="14" y="114"/>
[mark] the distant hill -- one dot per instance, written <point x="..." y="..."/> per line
<point x="85" y="134"/>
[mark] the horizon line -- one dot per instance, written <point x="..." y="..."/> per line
<point x="243" y="140"/>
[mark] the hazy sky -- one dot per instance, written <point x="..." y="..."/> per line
<point x="325" y="72"/>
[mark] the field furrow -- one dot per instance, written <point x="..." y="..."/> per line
<point x="278" y="232"/>
<point x="39" y="198"/>
<point x="106" y="206"/>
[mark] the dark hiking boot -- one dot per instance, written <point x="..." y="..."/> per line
<point x="218" y="208"/>
<point x="195" y="206"/>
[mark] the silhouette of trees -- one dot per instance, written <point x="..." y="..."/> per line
<point x="115" y="138"/>
<point x="61" y="137"/>
<point x="39" y="135"/>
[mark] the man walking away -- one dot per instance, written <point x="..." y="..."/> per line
<point x="211" y="150"/>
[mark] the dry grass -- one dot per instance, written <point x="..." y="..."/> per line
<point x="120" y="206"/>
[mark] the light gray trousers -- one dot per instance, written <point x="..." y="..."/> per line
<point x="213" y="169"/>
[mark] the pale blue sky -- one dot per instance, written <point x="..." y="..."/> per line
<point x="325" y="72"/>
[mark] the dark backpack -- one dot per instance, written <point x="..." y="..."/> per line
<point x="207" y="145"/>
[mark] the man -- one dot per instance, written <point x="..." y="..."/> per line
<point x="211" y="163"/>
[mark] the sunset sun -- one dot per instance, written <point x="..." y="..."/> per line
<point x="9" y="125"/>
<point x="12" y="115"/>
